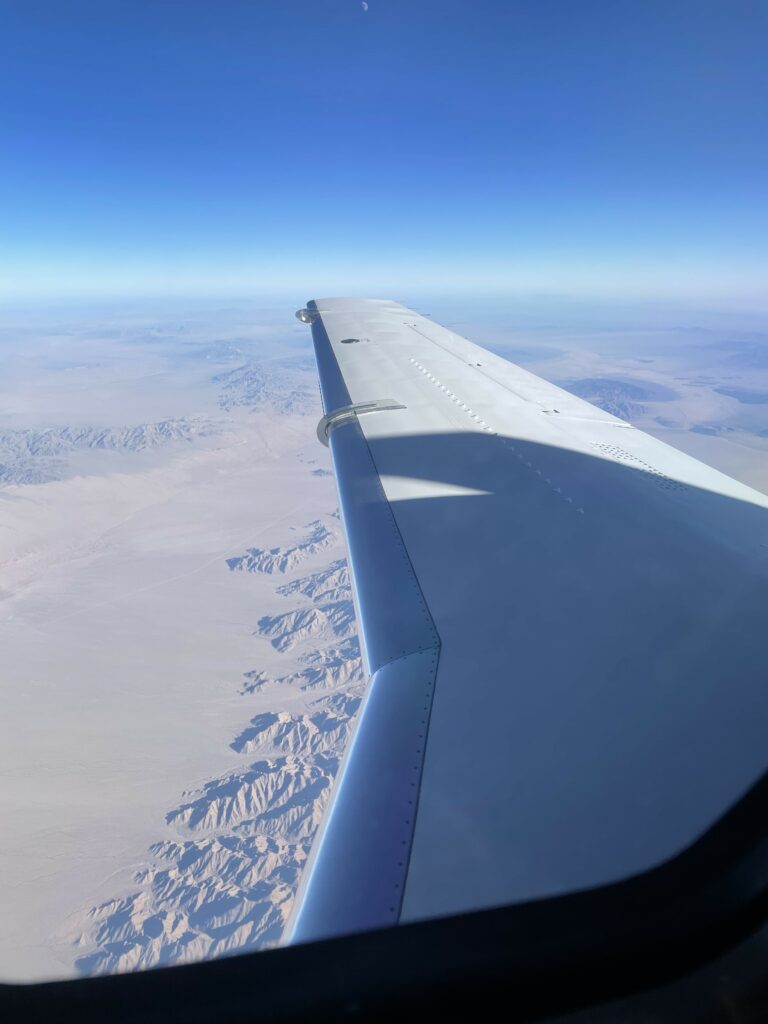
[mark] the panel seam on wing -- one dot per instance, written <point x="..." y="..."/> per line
<point x="556" y="490"/>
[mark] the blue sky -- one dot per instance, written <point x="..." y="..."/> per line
<point x="230" y="146"/>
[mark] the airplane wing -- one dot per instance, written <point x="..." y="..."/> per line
<point x="565" y="624"/>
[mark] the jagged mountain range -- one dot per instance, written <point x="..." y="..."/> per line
<point x="225" y="880"/>
<point x="622" y="398"/>
<point x="37" y="456"/>
<point x="257" y="385"/>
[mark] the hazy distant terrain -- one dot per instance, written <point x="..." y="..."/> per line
<point x="695" y="379"/>
<point x="180" y="661"/>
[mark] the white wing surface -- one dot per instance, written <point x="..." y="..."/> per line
<point x="565" y="623"/>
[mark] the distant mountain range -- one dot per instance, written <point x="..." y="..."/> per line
<point x="37" y="456"/>
<point x="622" y="398"/>
<point x="256" y="385"/>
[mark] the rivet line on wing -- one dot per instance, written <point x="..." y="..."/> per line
<point x="453" y="397"/>
<point x="551" y="484"/>
<point x="617" y="454"/>
<point x="557" y="491"/>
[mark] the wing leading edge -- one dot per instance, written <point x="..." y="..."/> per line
<point x="563" y="620"/>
